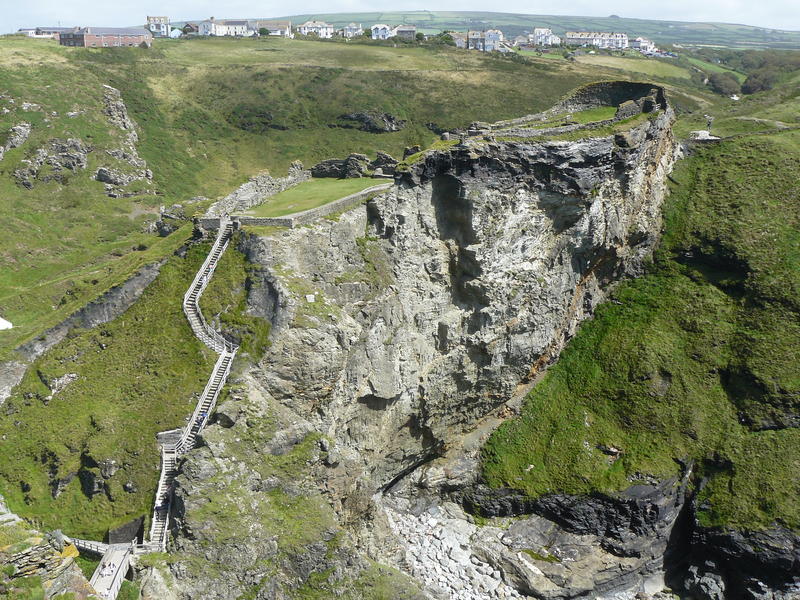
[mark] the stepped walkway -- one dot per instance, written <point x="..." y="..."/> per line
<point x="108" y="577"/>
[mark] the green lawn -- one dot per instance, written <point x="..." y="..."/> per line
<point x="310" y="194"/>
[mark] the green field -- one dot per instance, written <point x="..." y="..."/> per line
<point x="310" y="194"/>
<point x="512" y="24"/>
<point x="713" y="68"/>
<point x="646" y="66"/>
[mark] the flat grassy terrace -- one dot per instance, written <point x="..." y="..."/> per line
<point x="311" y="194"/>
<point x="646" y="66"/>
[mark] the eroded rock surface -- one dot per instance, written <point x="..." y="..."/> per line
<point x="400" y="325"/>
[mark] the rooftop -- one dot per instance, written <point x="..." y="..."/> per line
<point x="110" y="30"/>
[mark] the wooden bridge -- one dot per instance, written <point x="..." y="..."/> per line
<point x="116" y="558"/>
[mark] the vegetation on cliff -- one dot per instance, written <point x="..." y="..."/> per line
<point x="78" y="434"/>
<point x="693" y="362"/>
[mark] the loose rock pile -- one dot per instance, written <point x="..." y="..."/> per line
<point x="438" y="554"/>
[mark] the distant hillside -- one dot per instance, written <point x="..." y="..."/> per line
<point x="662" y="32"/>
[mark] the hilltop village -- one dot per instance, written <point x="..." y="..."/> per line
<point x="484" y="40"/>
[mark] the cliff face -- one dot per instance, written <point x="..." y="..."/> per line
<point x="398" y="328"/>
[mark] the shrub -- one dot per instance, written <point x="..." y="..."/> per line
<point x="724" y="83"/>
<point x="760" y="80"/>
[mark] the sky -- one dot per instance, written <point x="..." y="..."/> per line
<point x="774" y="14"/>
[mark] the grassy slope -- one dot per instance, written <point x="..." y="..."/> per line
<point x="137" y="375"/>
<point x="63" y="244"/>
<point x="692" y="359"/>
<point x="662" y="32"/>
<point x="714" y="68"/>
<point x="310" y="194"/>
<point x="645" y="66"/>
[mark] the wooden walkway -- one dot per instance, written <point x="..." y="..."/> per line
<point x="115" y="563"/>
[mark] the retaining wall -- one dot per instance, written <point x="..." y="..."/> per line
<point x="301" y="218"/>
<point x="255" y="191"/>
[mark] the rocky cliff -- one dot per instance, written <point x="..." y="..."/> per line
<point x="398" y="328"/>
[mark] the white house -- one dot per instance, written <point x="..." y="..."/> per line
<point x="158" y="26"/>
<point x="493" y="39"/>
<point x="277" y="28"/>
<point x="643" y="45"/>
<point x="224" y="27"/>
<point x="352" y="30"/>
<point x="381" y="31"/>
<point x="45" y="32"/>
<point x="601" y="39"/>
<point x="486" y="41"/>
<point x="544" y="36"/>
<point x="319" y="28"/>
<point x="459" y="38"/>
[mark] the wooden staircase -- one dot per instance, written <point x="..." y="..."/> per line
<point x="171" y="451"/>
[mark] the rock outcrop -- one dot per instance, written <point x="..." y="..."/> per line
<point x="402" y="323"/>
<point x="355" y="165"/>
<point x="53" y="162"/>
<point x="371" y="121"/>
<point x="51" y="557"/>
<point x="751" y="564"/>
<point x="258" y="189"/>
<point x="129" y="167"/>
<point x="17" y="136"/>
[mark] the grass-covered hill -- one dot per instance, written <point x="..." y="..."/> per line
<point x="662" y="32"/>
<point x="210" y="114"/>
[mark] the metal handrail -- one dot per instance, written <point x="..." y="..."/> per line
<point x="186" y="442"/>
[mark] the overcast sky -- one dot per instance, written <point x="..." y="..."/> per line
<point x="777" y="14"/>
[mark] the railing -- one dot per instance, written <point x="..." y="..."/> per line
<point x="89" y="546"/>
<point x="207" y="402"/>
<point x="159" y="525"/>
<point x="110" y="590"/>
<point x="191" y="300"/>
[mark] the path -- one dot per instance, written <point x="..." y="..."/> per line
<point x="108" y="577"/>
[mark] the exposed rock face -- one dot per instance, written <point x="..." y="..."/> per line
<point x="50" y="557"/>
<point x="402" y="323"/>
<point x="744" y="564"/>
<point x="130" y="168"/>
<point x="258" y="189"/>
<point x="371" y="121"/>
<point x="355" y="165"/>
<point x="17" y="136"/>
<point x="53" y="161"/>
